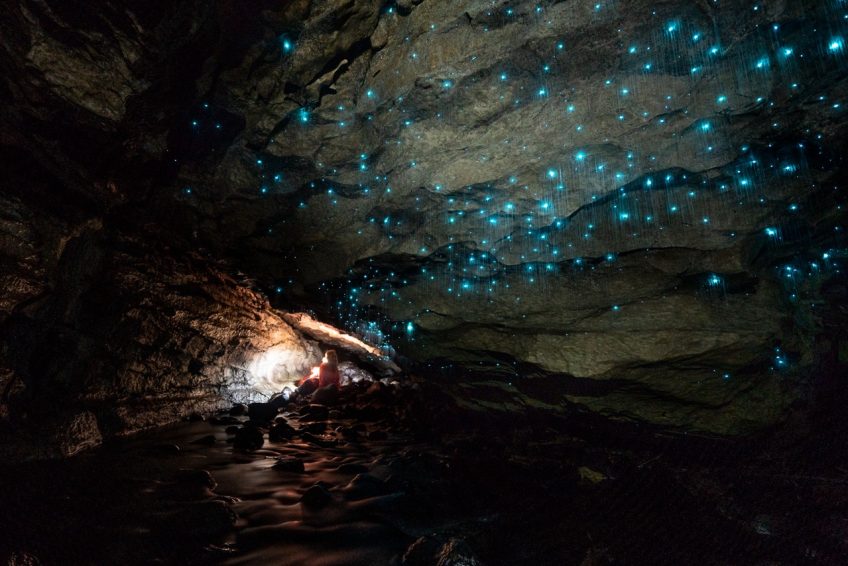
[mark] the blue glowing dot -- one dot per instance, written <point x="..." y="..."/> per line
<point x="616" y="308"/>
<point x="447" y="84"/>
<point x="194" y="123"/>
<point x="369" y="93"/>
<point x="543" y="92"/>
<point x="671" y="27"/>
<point x="503" y="76"/>
<point x="772" y="232"/>
<point x="303" y="115"/>
<point x="632" y="49"/>
<point x="721" y="99"/>
<point x="410" y="328"/>
<point x="787" y="51"/>
<point x="836" y="45"/>
<point x="580" y="156"/>
<point x="552" y="173"/>
<point x="763" y="63"/>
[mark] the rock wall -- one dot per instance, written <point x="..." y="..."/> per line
<point x="641" y="198"/>
<point x="117" y="334"/>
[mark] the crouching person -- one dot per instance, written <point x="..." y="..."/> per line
<point x="326" y="378"/>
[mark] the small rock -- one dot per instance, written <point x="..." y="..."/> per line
<point x="315" y="428"/>
<point x="315" y="412"/>
<point x="456" y="553"/>
<point x="262" y="412"/>
<point x="326" y="396"/>
<point x="74" y="433"/>
<point x="316" y="497"/>
<point x="348" y="433"/>
<point x="248" y="439"/>
<point x="289" y="465"/>
<point x="207" y="440"/>
<point x="422" y="552"/>
<point x="590" y="475"/>
<point x="196" y="477"/>
<point x="238" y="410"/>
<point x="280" y="430"/>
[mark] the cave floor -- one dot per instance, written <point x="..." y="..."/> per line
<point x="528" y="491"/>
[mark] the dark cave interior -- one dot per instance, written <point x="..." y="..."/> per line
<point x="582" y="261"/>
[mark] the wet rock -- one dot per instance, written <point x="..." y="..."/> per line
<point x="248" y="439"/>
<point x="207" y="440"/>
<point x="351" y="373"/>
<point x="280" y="431"/>
<point x="238" y="410"/>
<point x="316" y="497"/>
<point x="315" y="428"/>
<point x="422" y="552"/>
<point x="326" y="395"/>
<point x="589" y="475"/>
<point x="456" y="553"/>
<point x="196" y="477"/>
<point x="79" y="432"/>
<point x="315" y="412"/>
<point x="348" y="433"/>
<point x="262" y="412"/>
<point x="289" y="465"/>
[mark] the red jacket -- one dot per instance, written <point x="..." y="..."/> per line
<point x="328" y="376"/>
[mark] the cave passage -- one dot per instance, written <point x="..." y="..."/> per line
<point x="569" y="277"/>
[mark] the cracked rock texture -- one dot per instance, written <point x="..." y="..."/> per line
<point x="520" y="189"/>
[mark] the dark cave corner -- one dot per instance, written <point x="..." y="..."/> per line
<point x="582" y="263"/>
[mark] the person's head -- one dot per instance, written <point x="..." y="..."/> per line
<point x="331" y="359"/>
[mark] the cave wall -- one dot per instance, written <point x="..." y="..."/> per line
<point x="107" y="334"/>
<point x="642" y="199"/>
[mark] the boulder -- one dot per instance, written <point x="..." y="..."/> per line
<point x="248" y="439"/>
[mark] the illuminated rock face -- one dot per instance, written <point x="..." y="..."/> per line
<point x="641" y="194"/>
<point x="136" y="336"/>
